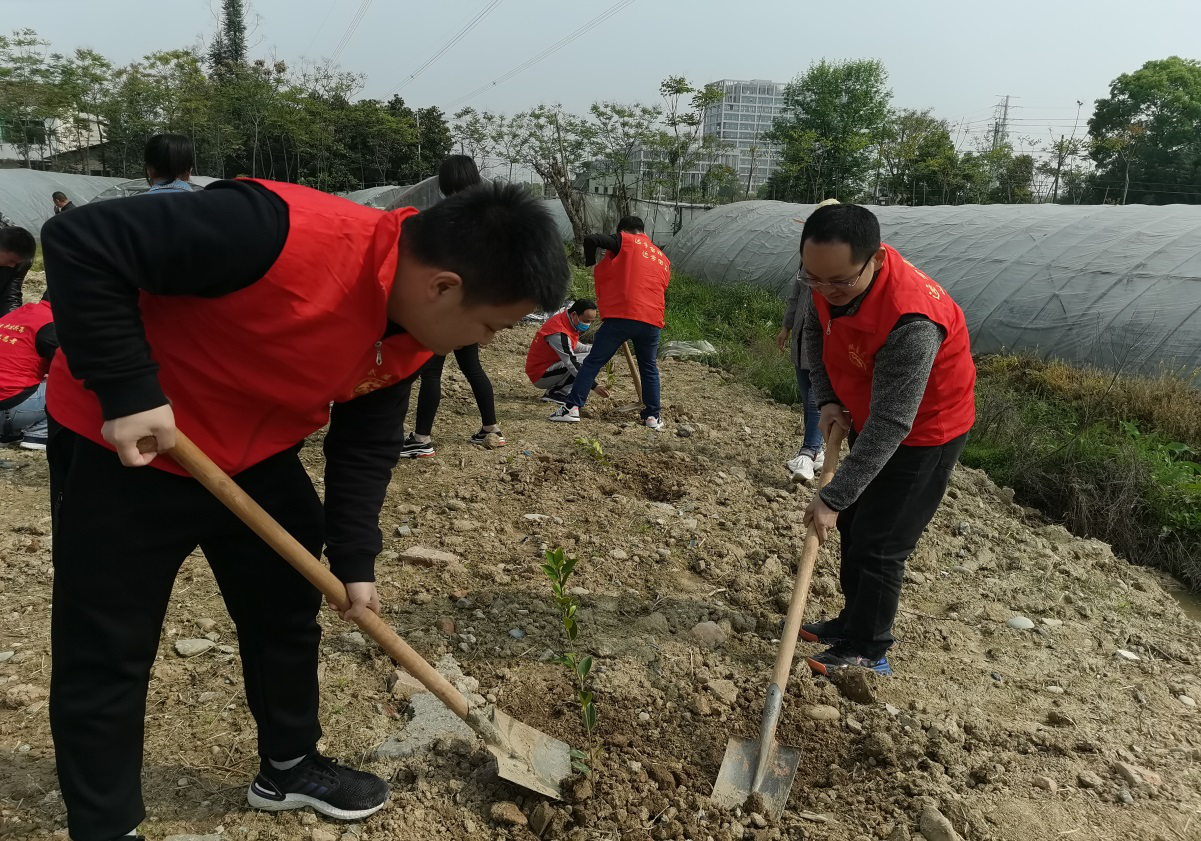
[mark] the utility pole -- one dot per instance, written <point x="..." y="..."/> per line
<point x="1000" y="129"/>
<point x="1059" y="155"/>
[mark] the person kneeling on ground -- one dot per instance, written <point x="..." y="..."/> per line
<point x="27" y="344"/>
<point x="631" y="281"/>
<point x="17" y="250"/>
<point x="890" y="361"/>
<point x="244" y="311"/>
<point x="553" y="361"/>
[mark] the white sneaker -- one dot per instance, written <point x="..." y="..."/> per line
<point x="565" y="414"/>
<point x="820" y="460"/>
<point x="802" y="469"/>
<point x="654" y="423"/>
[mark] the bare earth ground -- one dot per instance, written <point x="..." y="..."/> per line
<point x="1011" y="734"/>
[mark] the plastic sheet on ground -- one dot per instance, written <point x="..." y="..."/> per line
<point x="699" y="349"/>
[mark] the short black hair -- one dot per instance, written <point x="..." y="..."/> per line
<point x="582" y="306"/>
<point x="631" y="225"/>
<point x="852" y="224"/>
<point x="18" y="241"/>
<point x="456" y="174"/>
<point x="171" y="156"/>
<point x="57" y="196"/>
<point x="499" y="239"/>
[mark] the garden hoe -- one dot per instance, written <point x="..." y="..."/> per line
<point x="629" y="407"/>
<point x="763" y="766"/>
<point x="524" y="756"/>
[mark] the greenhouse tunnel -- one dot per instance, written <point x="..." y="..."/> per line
<point x="1118" y="288"/>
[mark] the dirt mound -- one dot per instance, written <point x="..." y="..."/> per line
<point x="1078" y="726"/>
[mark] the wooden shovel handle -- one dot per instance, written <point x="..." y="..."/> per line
<point x="188" y="456"/>
<point x="800" y="591"/>
<point x="625" y="347"/>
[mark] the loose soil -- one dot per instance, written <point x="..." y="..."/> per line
<point x="1011" y="734"/>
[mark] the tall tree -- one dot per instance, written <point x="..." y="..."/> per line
<point x="1146" y="135"/>
<point x="556" y="145"/>
<point x="913" y="149"/>
<point x="622" y="130"/>
<point x="227" y="51"/>
<point x="834" y="115"/>
<point x="680" y="145"/>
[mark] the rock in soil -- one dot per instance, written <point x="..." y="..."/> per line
<point x="935" y="826"/>
<point x="541" y="818"/>
<point x="1087" y="779"/>
<point x="822" y="712"/>
<point x="855" y="684"/>
<point x="507" y="813"/>
<point x="190" y="648"/>
<point x="426" y="557"/>
<point x="709" y="634"/>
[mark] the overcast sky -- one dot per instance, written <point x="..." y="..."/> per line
<point x="957" y="56"/>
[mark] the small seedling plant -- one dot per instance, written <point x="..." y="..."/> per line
<point x="558" y="568"/>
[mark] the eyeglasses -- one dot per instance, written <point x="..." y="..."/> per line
<point x="813" y="283"/>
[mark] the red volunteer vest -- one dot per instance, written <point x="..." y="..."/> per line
<point x="20" y="365"/>
<point x="851" y="343"/>
<point x="253" y="373"/>
<point x="631" y="284"/>
<point x="541" y="355"/>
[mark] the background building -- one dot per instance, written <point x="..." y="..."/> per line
<point x="747" y="112"/>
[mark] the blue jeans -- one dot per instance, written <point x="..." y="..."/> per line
<point x="613" y="333"/>
<point x="27" y="420"/>
<point x="813" y="434"/>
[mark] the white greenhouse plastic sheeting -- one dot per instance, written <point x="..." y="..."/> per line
<point x="1114" y="287"/>
<point x="25" y="194"/>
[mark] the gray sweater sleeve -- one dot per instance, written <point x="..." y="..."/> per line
<point x="813" y="335"/>
<point x="794" y="298"/>
<point x="899" y="380"/>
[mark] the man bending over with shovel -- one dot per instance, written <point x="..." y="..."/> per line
<point x="890" y="362"/>
<point x="242" y="312"/>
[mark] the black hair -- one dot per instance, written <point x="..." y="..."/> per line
<point x="170" y="156"/>
<point x="456" y="174"/>
<point x="57" y="196"/>
<point x="18" y="241"/>
<point x="852" y="224"/>
<point x="631" y="225"/>
<point x="499" y="239"/>
<point x="582" y="306"/>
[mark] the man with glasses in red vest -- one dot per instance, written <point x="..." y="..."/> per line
<point x="891" y="363"/>
<point x="242" y="312"/>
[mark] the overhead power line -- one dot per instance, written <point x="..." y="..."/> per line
<point x="553" y="48"/>
<point x="351" y="27"/>
<point x="441" y="51"/>
<point x="321" y="28"/>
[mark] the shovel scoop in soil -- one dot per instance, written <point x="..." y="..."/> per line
<point x="524" y="756"/>
<point x="763" y="766"/>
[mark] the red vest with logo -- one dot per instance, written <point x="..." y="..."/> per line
<point x="252" y="373"/>
<point x="851" y="343"/>
<point x="541" y="355"/>
<point x="20" y="365"/>
<point x="632" y="283"/>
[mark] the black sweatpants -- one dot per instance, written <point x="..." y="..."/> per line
<point x="430" y="395"/>
<point x="120" y="536"/>
<point x="878" y="533"/>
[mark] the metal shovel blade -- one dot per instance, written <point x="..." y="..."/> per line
<point x="736" y="778"/>
<point x="525" y="756"/>
<point x="762" y="766"/>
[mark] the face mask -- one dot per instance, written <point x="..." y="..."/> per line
<point x="582" y="327"/>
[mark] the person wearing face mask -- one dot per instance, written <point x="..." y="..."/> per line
<point x="555" y="355"/>
<point x="890" y="361"/>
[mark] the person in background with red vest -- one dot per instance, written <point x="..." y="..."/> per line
<point x="631" y="281"/>
<point x="17" y="250"/>
<point x="554" y="358"/>
<point x="27" y="344"/>
<point x="242" y="312"/>
<point x="890" y="362"/>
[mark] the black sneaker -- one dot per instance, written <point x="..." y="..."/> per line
<point x="479" y="437"/>
<point x="413" y="448"/>
<point x="826" y="632"/>
<point x="319" y="782"/>
<point x="559" y="397"/>
<point x="841" y="657"/>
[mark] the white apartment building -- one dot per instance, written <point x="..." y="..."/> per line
<point x="747" y="112"/>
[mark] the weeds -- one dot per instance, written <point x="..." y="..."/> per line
<point x="591" y="447"/>
<point x="558" y="568"/>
